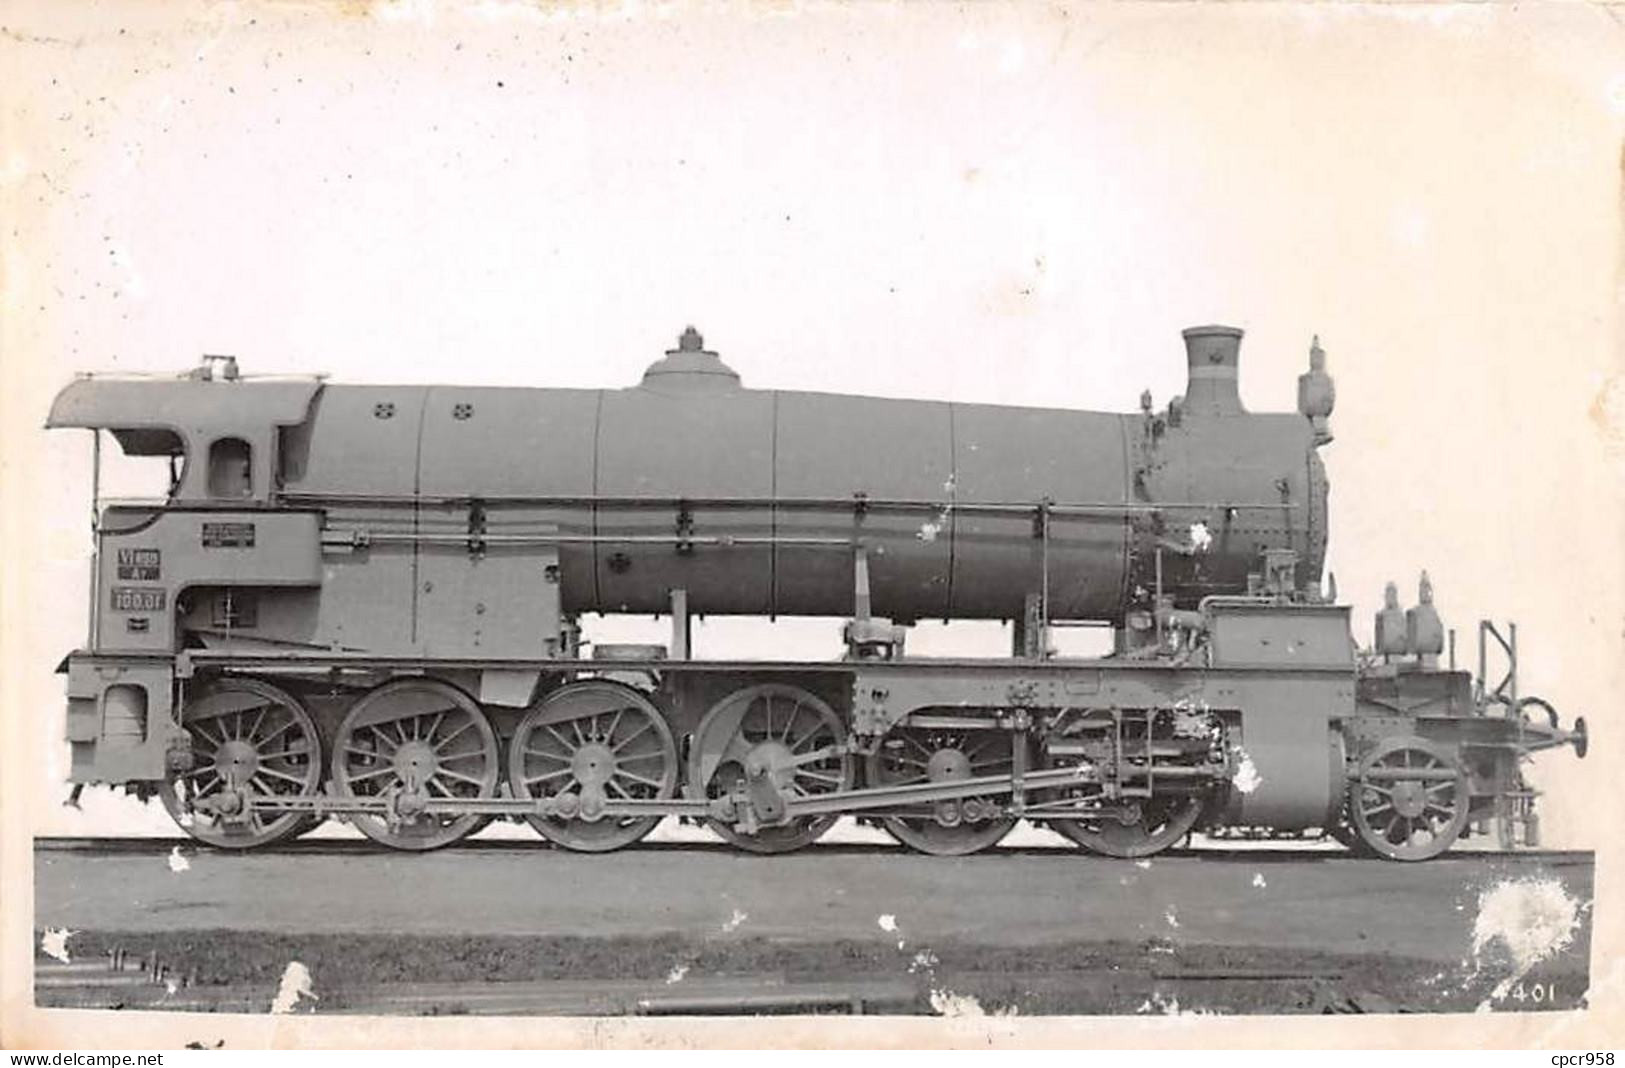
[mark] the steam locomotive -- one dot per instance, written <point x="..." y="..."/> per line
<point x="362" y="602"/>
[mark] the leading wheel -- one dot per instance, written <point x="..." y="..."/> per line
<point x="910" y="754"/>
<point x="778" y="733"/>
<point x="410" y="741"/>
<point x="593" y="742"/>
<point x="248" y="739"/>
<point x="1409" y="800"/>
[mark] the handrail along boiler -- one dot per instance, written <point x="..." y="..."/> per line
<point x="362" y="601"/>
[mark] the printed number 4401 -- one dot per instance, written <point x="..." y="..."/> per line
<point x="1533" y="993"/>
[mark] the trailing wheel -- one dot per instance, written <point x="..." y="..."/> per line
<point x="588" y="743"/>
<point x="909" y="754"/>
<point x="776" y="736"/>
<point x="1409" y="800"/>
<point x="248" y="739"/>
<point x="412" y="741"/>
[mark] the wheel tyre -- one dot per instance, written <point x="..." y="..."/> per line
<point x="297" y="738"/>
<point x="379" y="718"/>
<point x="1408" y="799"/>
<point x="718" y="780"/>
<point x="539" y="756"/>
<point x="1172" y="821"/>
<point x="927" y="835"/>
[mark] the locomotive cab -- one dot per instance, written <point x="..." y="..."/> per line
<point x="206" y="545"/>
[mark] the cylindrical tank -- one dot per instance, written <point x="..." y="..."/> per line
<point x="1208" y="484"/>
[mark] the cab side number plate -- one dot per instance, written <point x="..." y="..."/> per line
<point x="228" y="535"/>
<point x="137" y="599"/>
<point x="140" y="565"/>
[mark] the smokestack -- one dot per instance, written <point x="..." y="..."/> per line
<point x="1212" y="353"/>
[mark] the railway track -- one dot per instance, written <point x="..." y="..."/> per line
<point x="1307" y="852"/>
<point x="696" y="928"/>
<point x="1150" y="979"/>
<point x="121" y="980"/>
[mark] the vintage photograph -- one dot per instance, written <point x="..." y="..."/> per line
<point x="1001" y="517"/>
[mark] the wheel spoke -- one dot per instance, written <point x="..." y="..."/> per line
<point x="806" y="741"/>
<point x="635" y="777"/>
<point x="647" y="726"/>
<point x="285" y="754"/>
<point x="978" y="751"/>
<point x="468" y="725"/>
<point x="549" y="775"/>
<point x="434" y="728"/>
<point x="460" y="777"/>
<point x="790" y="724"/>
<point x="909" y="739"/>
<point x="278" y="732"/>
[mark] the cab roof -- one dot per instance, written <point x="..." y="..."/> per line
<point x="187" y="406"/>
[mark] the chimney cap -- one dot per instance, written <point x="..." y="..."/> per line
<point x="690" y="341"/>
<point x="1213" y="330"/>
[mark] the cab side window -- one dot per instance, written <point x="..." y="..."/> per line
<point x="231" y="468"/>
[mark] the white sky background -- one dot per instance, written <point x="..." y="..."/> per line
<point x="991" y="203"/>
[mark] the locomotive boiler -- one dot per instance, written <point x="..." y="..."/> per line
<point x="361" y="602"/>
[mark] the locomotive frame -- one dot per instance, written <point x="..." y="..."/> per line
<point x="1242" y="707"/>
